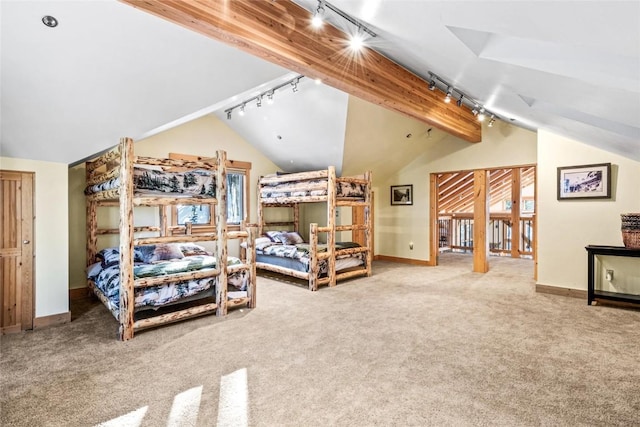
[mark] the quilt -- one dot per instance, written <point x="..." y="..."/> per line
<point x="192" y="183"/>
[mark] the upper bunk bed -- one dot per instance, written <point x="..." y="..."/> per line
<point x="285" y="253"/>
<point x="159" y="273"/>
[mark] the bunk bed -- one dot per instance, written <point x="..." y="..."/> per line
<point x="281" y="251"/>
<point x="160" y="274"/>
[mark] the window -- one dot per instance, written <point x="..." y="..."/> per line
<point x="237" y="203"/>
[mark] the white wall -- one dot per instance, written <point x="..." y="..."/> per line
<point x="566" y="227"/>
<point x="51" y="235"/>
<point x="397" y="226"/>
<point x="201" y="137"/>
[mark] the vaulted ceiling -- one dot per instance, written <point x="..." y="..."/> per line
<point x="110" y="70"/>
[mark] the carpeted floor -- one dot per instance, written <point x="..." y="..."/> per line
<point x="408" y="346"/>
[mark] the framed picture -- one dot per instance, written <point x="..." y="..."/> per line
<point x="402" y="194"/>
<point x="584" y="182"/>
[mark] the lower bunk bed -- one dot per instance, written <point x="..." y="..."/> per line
<point x="172" y="282"/>
<point x="286" y="253"/>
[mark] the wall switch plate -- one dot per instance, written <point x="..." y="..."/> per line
<point x="609" y="275"/>
<point x="411" y="245"/>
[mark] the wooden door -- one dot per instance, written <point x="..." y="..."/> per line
<point x="16" y="251"/>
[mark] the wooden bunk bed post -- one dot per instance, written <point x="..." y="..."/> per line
<point x="367" y="222"/>
<point x="331" y="223"/>
<point x="221" y="232"/>
<point x="314" y="265"/>
<point x="251" y="254"/>
<point x="127" y="298"/>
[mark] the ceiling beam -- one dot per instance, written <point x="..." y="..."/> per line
<point x="280" y="32"/>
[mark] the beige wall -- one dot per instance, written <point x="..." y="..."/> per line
<point x="200" y="137"/>
<point x="566" y="227"/>
<point x="51" y="236"/>
<point x="397" y="226"/>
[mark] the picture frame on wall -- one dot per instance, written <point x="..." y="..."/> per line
<point x="584" y="182"/>
<point x="402" y="194"/>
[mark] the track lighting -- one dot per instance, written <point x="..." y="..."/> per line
<point x="436" y="82"/>
<point x="492" y="120"/>
<point x="447" y="98"/>
<point x="317" y="19"/>
<point x="356" y="43"/>
<point x="258" y="98"/>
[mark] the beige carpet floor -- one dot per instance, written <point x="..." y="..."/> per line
<point x="409" y="346"/>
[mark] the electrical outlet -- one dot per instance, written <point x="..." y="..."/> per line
<point x="411" y="245"/>
<point x="609" y="275"/>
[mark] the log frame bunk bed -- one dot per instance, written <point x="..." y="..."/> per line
<point x="119" y="163"/>
<point x="310" y="184"/>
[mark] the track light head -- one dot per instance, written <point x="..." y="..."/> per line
<point x="481" y="115"/>
<point x="356" y="43"/>
<point x="447" y="98"/>
<point x="270" y="97"/>
<point x="241" y="112"/>
<point x="459" y="101"/>
<point x="317" y="21"/>
<point x="294" y="85"/>
<point x="259" y="101"/>
<point x="432" y="85"/>
<point x="228" y="114"/>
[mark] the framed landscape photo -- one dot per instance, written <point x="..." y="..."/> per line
<point x="402" y="194"/>
<point x="584" y="182"/>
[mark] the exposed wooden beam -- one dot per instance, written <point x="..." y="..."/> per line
<point x="280" y="32"/>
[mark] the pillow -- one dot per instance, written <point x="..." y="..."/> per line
<point x="108" y="257"/>
<point x="161" y="252"/>
<point x="189" y="249"/>
<point x="94" y="269"/>
<point x="274" y="235"/>
<point x="290" y="238"/>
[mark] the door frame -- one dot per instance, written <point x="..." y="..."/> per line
<point x="433" y="212"/>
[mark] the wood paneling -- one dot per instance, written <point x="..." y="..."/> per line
<point x="280" y="32"/>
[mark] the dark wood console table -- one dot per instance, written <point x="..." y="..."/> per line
<point x="592" y="293"/>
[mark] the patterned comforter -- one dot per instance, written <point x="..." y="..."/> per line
<point x="345" y="190"/>
<point x="193" y="183"/>
<point x="108" y="281"/>
<point x="300" y="253"/>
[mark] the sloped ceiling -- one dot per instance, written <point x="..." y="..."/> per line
<point x="109" y="70"/>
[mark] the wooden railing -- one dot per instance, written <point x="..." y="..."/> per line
<point x="455" y="233"/>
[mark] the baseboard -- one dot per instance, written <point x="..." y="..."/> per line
<point x="566" y="292"/>
<point x="78" y="293"/>
<point x="401" y="260"/>
<point x="54" y="319"/>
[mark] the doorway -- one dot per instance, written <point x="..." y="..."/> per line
<point x="484" y="213"/>
<point x="16" y="251"/>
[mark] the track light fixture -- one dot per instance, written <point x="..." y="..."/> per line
<point x="356" y="42"/>
<point x="318" y="19"/>
<point x="436" y="82"/>
<point x="268" y="93"/>
<point x="447" y="98"/>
